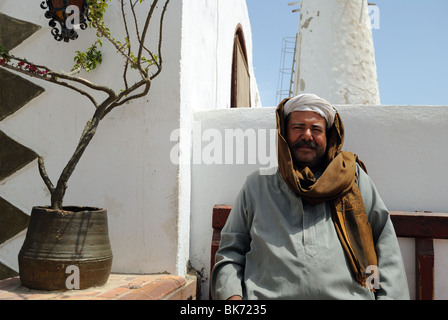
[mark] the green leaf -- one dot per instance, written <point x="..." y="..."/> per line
<point x="88" y="60"/>
<point x="4" y="52"/>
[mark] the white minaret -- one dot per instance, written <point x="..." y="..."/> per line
<point x="335" y="53"/>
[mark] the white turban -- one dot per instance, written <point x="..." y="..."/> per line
<point x="311" y="102"/>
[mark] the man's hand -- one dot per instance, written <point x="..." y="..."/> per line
<point x="235" y="298"/>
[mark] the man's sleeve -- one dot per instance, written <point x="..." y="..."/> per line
<point x="391" y="271"/>
<point x="228" y="273"/>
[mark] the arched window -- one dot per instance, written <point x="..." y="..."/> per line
<point x="240" y="87"/>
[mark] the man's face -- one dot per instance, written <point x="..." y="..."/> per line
<point x="306" y="137"/>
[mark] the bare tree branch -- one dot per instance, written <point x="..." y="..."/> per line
<point x="120" y="49"/>
<point x="52" y="77"/>
<point x="145" y="30"/>
<point x="44" y="175"/>
<point x="162" y="18"/>
<point x="86" y="83"/>
<point x="128" y="40"/>
<point x="137" y="29"/>
<point x="58" y="193"/>
<point x="127" y="99"/>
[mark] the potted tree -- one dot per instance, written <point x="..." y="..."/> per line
<point x="58" y="236"/>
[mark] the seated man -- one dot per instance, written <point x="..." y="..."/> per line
<point x="316" y="227"/>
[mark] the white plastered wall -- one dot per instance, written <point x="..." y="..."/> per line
<point x="128" y="168"/>
<point x="208" y="30"/>
<point x="124" y="169"/>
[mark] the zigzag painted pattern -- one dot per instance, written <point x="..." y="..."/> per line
<point x="15" y="93"/>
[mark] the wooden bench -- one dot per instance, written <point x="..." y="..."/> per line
<point x="423" y="226"/>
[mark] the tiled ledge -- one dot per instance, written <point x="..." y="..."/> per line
<point x="118" y="287"/>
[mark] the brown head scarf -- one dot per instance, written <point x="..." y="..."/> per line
<point x="337" y="184"/>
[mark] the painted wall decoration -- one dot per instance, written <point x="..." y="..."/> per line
<point x="15" y="93"/>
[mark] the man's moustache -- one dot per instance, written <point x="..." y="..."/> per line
<point x="302" y="143"/>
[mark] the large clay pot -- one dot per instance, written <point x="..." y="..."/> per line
<point x="59" y="243"/>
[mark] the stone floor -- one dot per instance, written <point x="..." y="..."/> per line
<point x="118" y="287"/>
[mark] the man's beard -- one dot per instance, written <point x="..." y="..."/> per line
<point x="314" y="163"/>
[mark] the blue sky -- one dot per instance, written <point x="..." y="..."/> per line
<point x="411" y="48"/>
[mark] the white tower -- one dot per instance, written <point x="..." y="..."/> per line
<point x="335" y="53"/>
